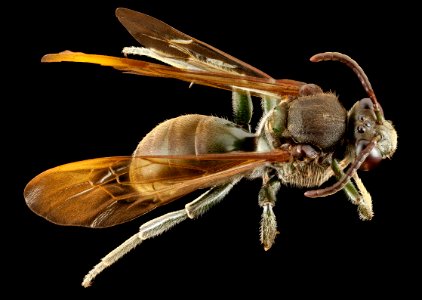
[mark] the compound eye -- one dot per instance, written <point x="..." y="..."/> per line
<point x="372" y="160"/>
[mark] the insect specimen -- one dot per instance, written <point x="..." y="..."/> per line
<point x="304" y="138"/>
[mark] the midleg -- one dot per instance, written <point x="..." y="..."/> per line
<point x="267" y="199"/>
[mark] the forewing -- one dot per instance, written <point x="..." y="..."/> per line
<point x="99" y="193"/>
<point x="173" y="45"/>
<point x="89" y="193"/>
<point x="256" y="85"/>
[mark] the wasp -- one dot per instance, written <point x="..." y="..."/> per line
<point x="304" y="138"/>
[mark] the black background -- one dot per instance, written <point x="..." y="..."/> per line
<point x="68" y="112"/>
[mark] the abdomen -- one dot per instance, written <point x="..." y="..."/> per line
<point x="185" y="135"/>
<point x="193" y="134"/>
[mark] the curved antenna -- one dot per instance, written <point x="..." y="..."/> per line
<point x="340" y="184"/>
<point x="358" y="71"/>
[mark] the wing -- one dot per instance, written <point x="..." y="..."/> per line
<point x="179" y="49"/>
<point x="107" y="191"/>
<point x="192" y="60"/>
<point x="256" y="85"/>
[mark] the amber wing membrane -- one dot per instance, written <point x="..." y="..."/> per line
<point x="176" y="48"/>
<point x="191" y="60"/>
<point x="99" y="192"/>
<point x="172" y="43"/>
<point x="102" y="192"/>
<point x="257" y="85"/>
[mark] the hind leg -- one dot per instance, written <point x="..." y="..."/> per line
<point x="161" y="224"/>
<point x="242" y="108"/>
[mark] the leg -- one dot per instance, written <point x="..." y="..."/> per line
<point x="359" y="196"/>
<point x="147" y="230"/>
<point x="365" y="205"/>
<point x="242" y="108"/>
<point x="273" y="122"/>
<point x="159" y="225"/>
<point x="266" y="199"/>
<point x="345" y="177"/>
<point x="208" y="199"/>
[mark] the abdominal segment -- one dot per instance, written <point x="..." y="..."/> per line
<point x="184" y="135"/>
